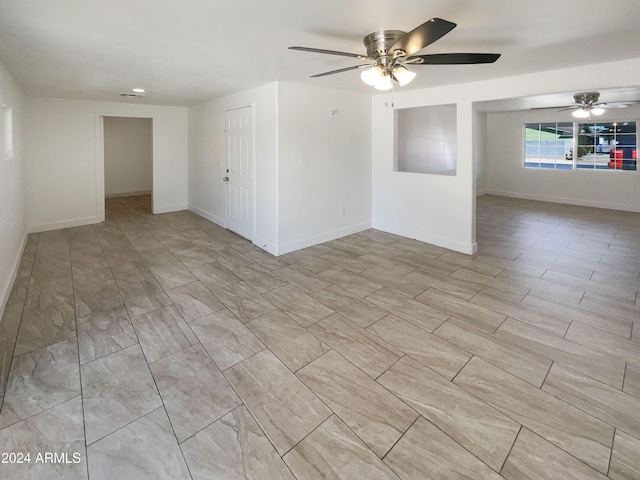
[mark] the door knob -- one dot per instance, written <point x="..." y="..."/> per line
<point x="225" y="179"/>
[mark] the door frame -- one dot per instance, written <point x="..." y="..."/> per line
<point x="250" y="105"/>
<point x="100" y="197"/>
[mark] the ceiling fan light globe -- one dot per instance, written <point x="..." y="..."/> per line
<point x="371" y="75"/>
<point x="581" y="113"/>
<point x="403" y="75"/>
<point x="383" y="83"/>
<point x="597" y="111"/>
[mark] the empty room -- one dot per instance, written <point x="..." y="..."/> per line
<point x="348" y="240"/>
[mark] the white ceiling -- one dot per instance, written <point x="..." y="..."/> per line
<point x="184" y="52"/>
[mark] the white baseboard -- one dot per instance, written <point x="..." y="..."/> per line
<point x="480" y="193"/>
<point x="78" y="222"/>
<point x="265" y="245"/>
<point x="171" y="208"/>
<point x="566" y="201"/>
<point x="209" y="216"/>
<point x="444" y="242"/>
<point x="323" y="237"/>
<point x="127" y="194"/>
<point x="8" y="286"/>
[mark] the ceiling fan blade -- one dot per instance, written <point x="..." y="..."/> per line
<point x="572" y="107"/>
<point x="424" y="35"/>
<point x="340" y="70"/>
<point x="617" y="104"/>
<point x="555" y="107"/>
<point x="330" y="52"/>
<point x="453" y="58"/>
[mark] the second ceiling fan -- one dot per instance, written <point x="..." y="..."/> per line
<point x="391" y="51"/>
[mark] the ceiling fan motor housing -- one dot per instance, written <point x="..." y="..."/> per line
<point x="379" y="43"/>
<point x="587" y="98"/>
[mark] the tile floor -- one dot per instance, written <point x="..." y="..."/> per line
<point x="155" y="347"/>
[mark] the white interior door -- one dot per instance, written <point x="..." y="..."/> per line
<point x="239" y="177"/>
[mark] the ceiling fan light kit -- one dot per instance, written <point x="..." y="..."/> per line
<point x="392" y="50"/>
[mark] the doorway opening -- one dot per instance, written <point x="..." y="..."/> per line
<point x="239" y="177"/>
<point x="128" y="164"/>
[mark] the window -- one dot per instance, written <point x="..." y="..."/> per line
<point x="597" y="146"/>
<point x="8" y="132"/>
<point x="607" y="146"/>
<point x="549" y="145"/>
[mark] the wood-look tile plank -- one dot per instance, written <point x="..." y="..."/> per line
<point x="162" y="332"/>
<point x="563" y="291"/>
<point x="469" y="263"/>
<point x="226" y="339"/>
<point x="332" y="451"/>
<point x="193" y="390"/>
<point x="372" y="413"/>
<point x="234" y="448"/>
<point x="426" y="452"/>
<point x="602" y="367"/>
<point x="282" y="405"/>
<point x="306" y="280"/>
<point x="602" y="401"/>
<point x="126" y="453"/>
<point x="532" y="458"/>
<point x="617" y="292"/>
<point x="361" y="312"/>
<point x="441" y="356"/>
<point x="214" y="275"/>
<point x="522" y="363"/>
<point x="578" y="313"/>
<point x="396" y="282"/>
<point x="570" y="429"/>
<point x="349" y="281"/>
<point x="290" y="342"/>
<point x="605" y="342"/>
<point x="243" y="301"/>
<point x="450" y="284"/>
<point x="261" y="279"/>
<point x="625" y="462"/>
<point x="530" y="314"/>
<point x="365" y="350"/>
<point x="486" y="282"/>
<point x="632" y="380"/>
<point x="395" y="266"/>
<point x="417" y="313"/>
<point x="303" y="308"/>
<point x="476" y="315"/>
<point x="194" y="300"/>
<point x="609" y="307"/>
<point x="480" y="428"/>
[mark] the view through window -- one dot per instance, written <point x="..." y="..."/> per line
<point x="590" y="145"/>
<point x="549" y="145"/>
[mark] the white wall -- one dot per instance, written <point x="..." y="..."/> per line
<point x="65" y="176"/>
<point x="12" y="188"/>
<point x="440" y="209"/>
<point x="207" y="160"/>
<point x="506" y="174"/>
<point x="324" y="165"/>
<point x="480" y="151"/>
<point x="128" y="155"/>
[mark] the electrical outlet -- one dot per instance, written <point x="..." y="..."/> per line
<point x="343" y="211"/>
<point x="303" y="161"/>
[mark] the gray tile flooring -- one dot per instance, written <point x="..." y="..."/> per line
<point x="163" y="346"/>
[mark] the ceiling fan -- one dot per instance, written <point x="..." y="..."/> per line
<point x="586" y="104"/>
<point x="391" y="51"/>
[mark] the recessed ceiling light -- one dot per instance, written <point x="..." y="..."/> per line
<point x="138" y="90"/>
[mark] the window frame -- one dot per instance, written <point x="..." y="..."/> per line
<point x="576" y="133"/>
